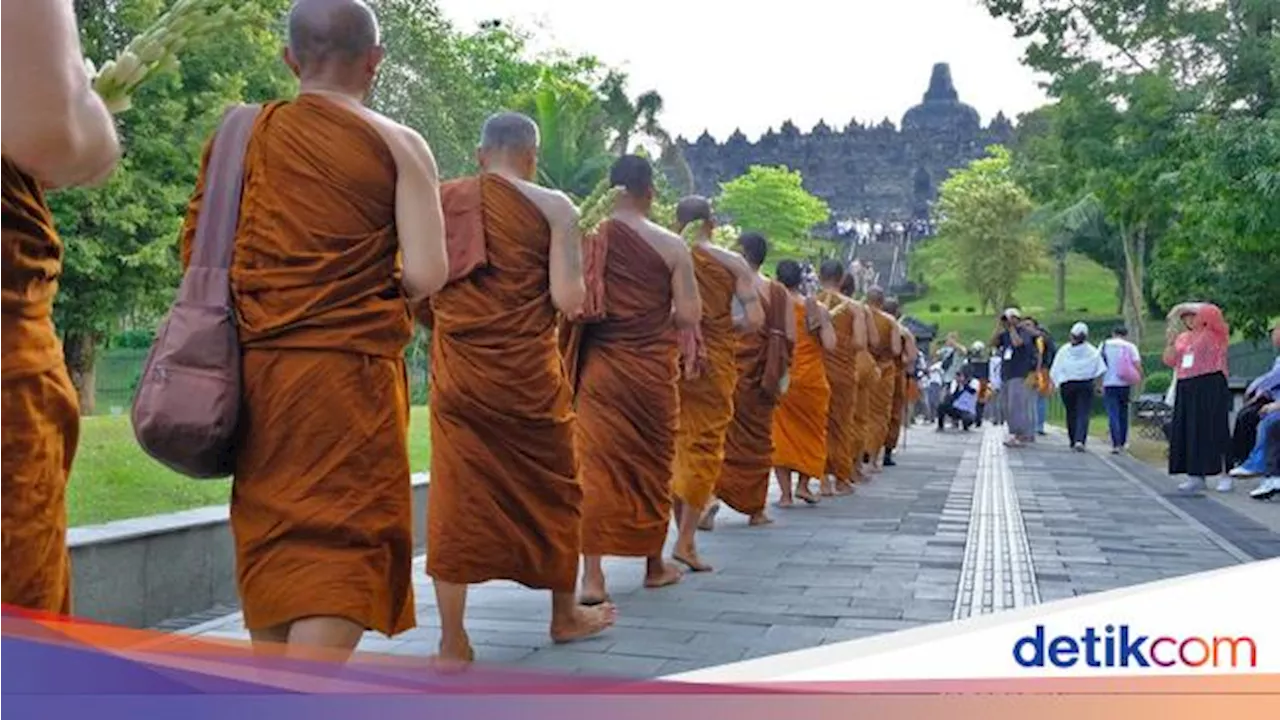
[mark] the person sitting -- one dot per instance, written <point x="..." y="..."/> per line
<point x="1269" y="487"/>
<point x="1263" y="390"/>
<point x="961" y="404"/>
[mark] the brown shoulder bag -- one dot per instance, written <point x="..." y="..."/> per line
<point x="187" y="404"/>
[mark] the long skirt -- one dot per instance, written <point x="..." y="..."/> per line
<point x="1200" y="439"/>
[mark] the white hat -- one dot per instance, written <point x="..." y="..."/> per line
<point x="977" y="347"/>
<point x="1013" y="313"/>
<point x="1080" y="330"/>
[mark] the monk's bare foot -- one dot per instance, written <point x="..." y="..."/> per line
<point x="690" y="560"/>
<point x="785" y="503"/>
<point x="807" y="497"/>
<point x="760" y="518"/>
<point x="453" y="657"/>
<point x="708" y="520"/>
<point x="669" y="575"/>
<point x="844" y="488"/>
<point x="583" y="623"/>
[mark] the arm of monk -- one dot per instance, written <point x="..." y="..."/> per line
<point x="895" y="340"/>
<point x="685" y="299"/>
<point x="419" y="217"/>
<point x="57" y="127"/>
<point x="859" y="327"/>
<point x="873" y="330"/>
<point x="826" y="331"/>
<point x="568" y="286"/>
<point x="744" y="287"/>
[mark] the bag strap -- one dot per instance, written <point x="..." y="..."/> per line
<point x="223" y="183"/>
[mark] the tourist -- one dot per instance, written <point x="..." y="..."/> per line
<point x="886" y="349"/>
<point x="321" y="510"/>
<point x="1014" y="340"/>
<point x="624" y="366"/>
<point x="978" y="368"/>
<point x="504" y="500"/>
<point x="763" y="360"/>
<point x="1074" y="371"/>
<point x="1255" y="464"/>
<point x="1269" y="486"/>
<point x="1124" y="372"/>
<point x="706" y="394"/>
<point x="800" y="420"/>
<point x="1261" y="393"/>
<point x="1196" y="349"/>
<point x="961" y="402"/>
<point x="951" y="357"/>
<point x="57" y="134"/>
<point x="841" y="365"/>
<point x="933" y="392"/>
<point x="1045" y="351"/>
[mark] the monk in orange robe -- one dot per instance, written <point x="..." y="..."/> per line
<point x="57" y="134"/>
<point x="800" y="420"/>
<point x="335" y="199"/>
<point x="887" y="352"/>
<point x="867" y="373"/>
<point x="842" y="375"/>
<point x="624" y="363"/>
<point x="903" y="362"/>
<point x="763" y="359"/>
<point x="505" y="501"/>
<point x="725" y="282"/>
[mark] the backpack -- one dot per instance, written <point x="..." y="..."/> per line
<point x="187" y="405"/>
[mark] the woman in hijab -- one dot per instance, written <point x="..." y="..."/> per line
<point x="1075" y="369"/>
<point x="1200" y="439"/>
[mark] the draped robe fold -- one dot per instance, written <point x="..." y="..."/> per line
<point x="868" y="375"/>
<point x="320" y="504"/>
<point x="625" y="374"/>
<point x="882" y="392"/>
<point x="841" y="368"/>
<point x="800" y="420"/>
<point x="41" y="411"/>
<point x="504" y="500"/>
<point x="748" y="445"/>
<point x="706" y="401"/>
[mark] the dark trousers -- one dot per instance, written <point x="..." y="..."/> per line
<point x="1077" y="396"/>
<point x="977" y="420"/>
<point x="1272" y="453"/>
<point x="1245" y="432"/>
<point x="1116" y="400"/>
<point x="947" y="410"/>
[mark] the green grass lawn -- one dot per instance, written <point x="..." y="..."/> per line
<point x="112" y="478"/>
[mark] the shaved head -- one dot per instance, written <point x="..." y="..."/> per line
<point x="333" y="37"/>
<point x="892" y="306"/>
<point x="691" y="209"/>
<point x="509" y="131"/>
<point x="875" y="296"/>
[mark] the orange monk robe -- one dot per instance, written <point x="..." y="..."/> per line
<point x="868" y="375"/>
<point x="901" y="398"/>
<point x="800" y="421"/>
<point x="504" y="500"/>
<point x="320" y="506"/>
<point x="706" y="401"/>
<point x="882" y="391"/>
<point x="841" y="366"/>
<point x="41" y="413"/>
<point x="625" y="373"/>
<point x="748" y="445"/>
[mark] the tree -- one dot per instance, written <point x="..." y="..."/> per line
<point x="984" y="226"/>
<point x="629" y="119"/>
<point x="120" y="239"/>
<point x="772" y="201"/>
<point x="573" y="156"/>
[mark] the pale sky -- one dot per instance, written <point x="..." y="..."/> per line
<point x="720" y="65"/>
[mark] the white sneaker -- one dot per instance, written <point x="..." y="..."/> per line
<point x="1192" y="485"/>
<point x="1241" y="471"/>
<point x="1225" y="485"/>
<point x="1266" y="489"/>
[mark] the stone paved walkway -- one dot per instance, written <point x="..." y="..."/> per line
<point x="912" y="547"/>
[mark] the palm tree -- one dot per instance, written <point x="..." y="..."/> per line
<point x="574" y="153"/>
<point x="629" y="119"/>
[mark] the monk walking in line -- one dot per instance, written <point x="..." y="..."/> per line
<point x="642" y="290"/>
<point x="841" y="367"/>
<point x="763" y="358"/>
<point x="336" y="198"/>
<point x="867" y="374"/>
<point x="505" y="501"/>
<point x="800" y="421"/>
<point x="887" y="352"/>
<point x="903" y="360"/>
<point x="57" y="134"/>
<point x="706" y="398"/>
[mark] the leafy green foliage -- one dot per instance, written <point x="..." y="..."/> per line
<point x="772" y="201"/>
